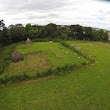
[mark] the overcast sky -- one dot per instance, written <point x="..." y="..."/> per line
<point x="95" y="13"/>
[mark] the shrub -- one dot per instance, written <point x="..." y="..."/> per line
<point x="4" y="61"/>
<point x="17" y="56"/>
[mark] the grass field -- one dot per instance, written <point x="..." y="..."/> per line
<point x="42" y="55"/>
<point x="85" y="89"/>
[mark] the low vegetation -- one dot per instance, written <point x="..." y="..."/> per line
<point x="85" y="89"/>
<point x="32" y="62"/>
<point x="17" y="57"/>
<point x="50" y="32"/>
<point x="42" y="59"/>
<point x="6" y="56"/>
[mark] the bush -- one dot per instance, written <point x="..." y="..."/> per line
<point x="17" y="56"/>
<point x="4" y="61"/>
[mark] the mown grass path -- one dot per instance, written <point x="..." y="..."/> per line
<point x="85" y="89"/>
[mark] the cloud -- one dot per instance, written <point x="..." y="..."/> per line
<point x="31" y="5"/>
<point x="94" y="13"/>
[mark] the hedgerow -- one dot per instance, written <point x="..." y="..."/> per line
<point x="24" y="76"/>
<point x="4" y="61"/>
<point x="90" y="58"/>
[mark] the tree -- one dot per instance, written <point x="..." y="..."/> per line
<point x="100" y="35"/>
<point x="32" y="31"/>
<point x="28" y="27"/>
<point x="1" y="29"/>
<point x="62" y="32"/>
<point x="76" y="31"/>
<point x="6" y="36"/>
<point x="88" y="34"/>
<point x="2" y="25"/>
<point x="50" y="31"/>
<point x="17" y="32"/>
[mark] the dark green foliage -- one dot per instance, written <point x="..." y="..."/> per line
<point x="14" y="79"/>
<point x="2" y="25"/>
<point x="4" y="61"/>
<point x="32" y="31"/>
<point x="63" y="32"/>
<point x="88" y="34"/>
<point x="100" y="35"/>
<point x="76" y="32"/>
<point x="49" y="31"/>
<point x="23" y="76"/>
<point x="18" y="32"/>
<point x="6" y="37"/>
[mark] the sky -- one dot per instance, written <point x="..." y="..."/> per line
<point x="92" y="13"/>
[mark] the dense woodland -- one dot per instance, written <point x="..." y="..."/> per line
<point x="18" y="32"/>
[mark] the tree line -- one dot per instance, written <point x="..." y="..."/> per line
<point x="18" y="32"/>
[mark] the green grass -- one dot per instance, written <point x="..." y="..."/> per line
<point x="53" y="55"/>
<point x="32" y="62"/>
<point x="4" y="50"/>
<point x="56" y="53"/>
<point x="85" y="89"/>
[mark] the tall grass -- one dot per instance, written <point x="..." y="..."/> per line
<point x="32" y="62"/>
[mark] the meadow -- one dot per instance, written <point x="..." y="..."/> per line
<point x="84" y="89"/>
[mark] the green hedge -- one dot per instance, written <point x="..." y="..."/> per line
<point x="4" y="61"/>
<point x="56" y="71"/>
<point x="90" y="58"/>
